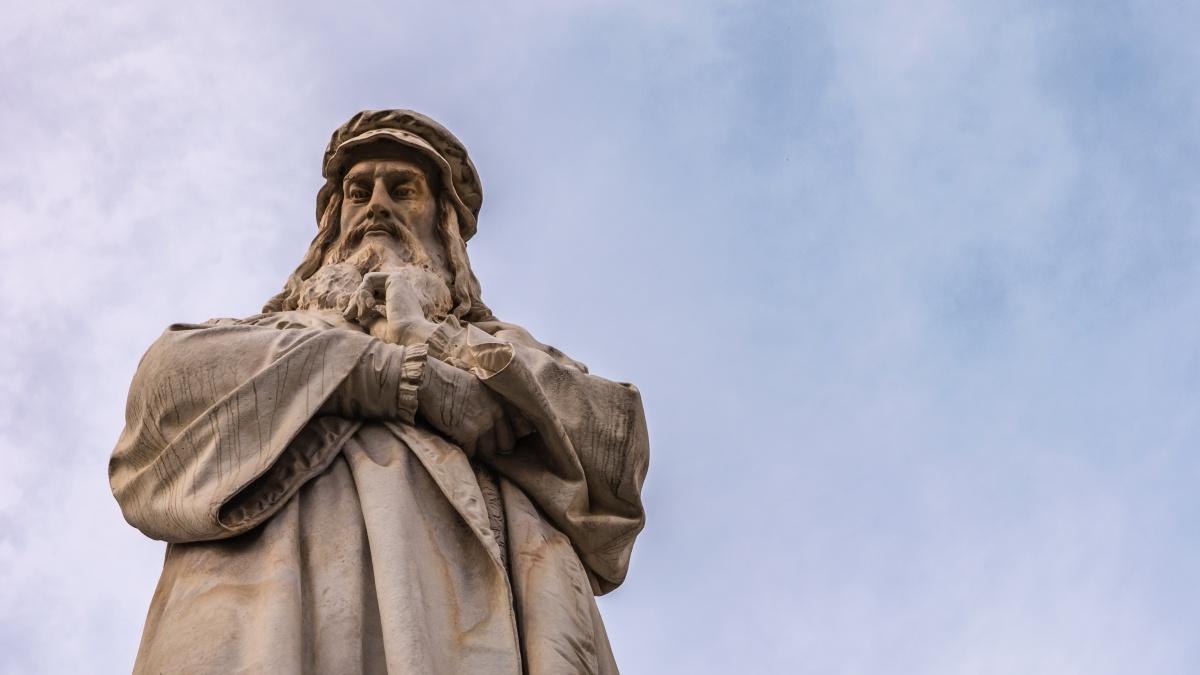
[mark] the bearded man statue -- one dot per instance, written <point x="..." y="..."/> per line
<point x="375" y="475"/>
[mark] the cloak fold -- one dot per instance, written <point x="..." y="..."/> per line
<point x="315" y="525"/>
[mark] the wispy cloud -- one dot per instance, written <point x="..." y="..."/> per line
<point x="908" y="288"/>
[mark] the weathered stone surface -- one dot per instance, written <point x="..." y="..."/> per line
<point x="376" y="474"/>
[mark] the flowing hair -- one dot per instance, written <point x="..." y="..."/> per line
<point x="464" y="290"/>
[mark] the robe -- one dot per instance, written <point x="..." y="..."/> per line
<point x="315" y="524"/>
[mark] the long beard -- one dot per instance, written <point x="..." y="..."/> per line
<point x="329" y="288"/>
<point x="333" y="285"/>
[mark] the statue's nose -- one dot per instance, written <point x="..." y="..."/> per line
<point x="377" y="207"/>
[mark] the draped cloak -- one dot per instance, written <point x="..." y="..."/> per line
<point x="316" y="525"/>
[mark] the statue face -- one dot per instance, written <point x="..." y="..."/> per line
<point x="384" y="196"/>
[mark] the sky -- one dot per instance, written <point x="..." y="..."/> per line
<point x="909" y="288"/>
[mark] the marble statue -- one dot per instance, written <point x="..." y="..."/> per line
<point x="376" y="475"/>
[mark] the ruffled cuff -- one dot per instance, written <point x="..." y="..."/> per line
<point x="412" y="369"/>
<point x="465" y="346"/>
<point x="447" y="339"/>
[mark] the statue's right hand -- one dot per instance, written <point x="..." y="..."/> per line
<point x="403" y="311"/>
<point x="457" y="404"/>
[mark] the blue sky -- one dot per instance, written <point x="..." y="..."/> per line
<point x="909" y="288"/>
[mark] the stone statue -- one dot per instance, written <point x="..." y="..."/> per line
<point x="376" y="474"/>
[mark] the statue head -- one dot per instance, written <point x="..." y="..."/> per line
<point x="399" y="190"/>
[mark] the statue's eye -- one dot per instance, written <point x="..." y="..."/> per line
<point x="402" y="192"/>
<point x="358" y="194"/>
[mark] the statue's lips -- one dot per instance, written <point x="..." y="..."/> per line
<point x="378" y="229"/>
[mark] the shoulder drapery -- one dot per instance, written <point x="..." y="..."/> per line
<point x="223" y="425"/>
<point x="226" y="422"/>
<point x="585" y="466"/>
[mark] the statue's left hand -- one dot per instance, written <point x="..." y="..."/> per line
<point x="457" y="404"/>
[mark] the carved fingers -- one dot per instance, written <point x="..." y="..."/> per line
<point x="401" y="303"/>
<point x="363" y="301"/>
<point x="402" y="298"/>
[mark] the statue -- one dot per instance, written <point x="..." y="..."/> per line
<point x="376" y="474"/>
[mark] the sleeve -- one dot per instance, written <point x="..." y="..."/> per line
<point x="382" y="385"/>
<point x="586" y="462"/>
<point x="224" y="423"/>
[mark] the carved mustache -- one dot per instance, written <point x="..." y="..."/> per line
<point x="368" y="225"/>
<point x="410" y="247"/>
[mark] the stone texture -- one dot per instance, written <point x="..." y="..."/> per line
<point x="376" y="474"/>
